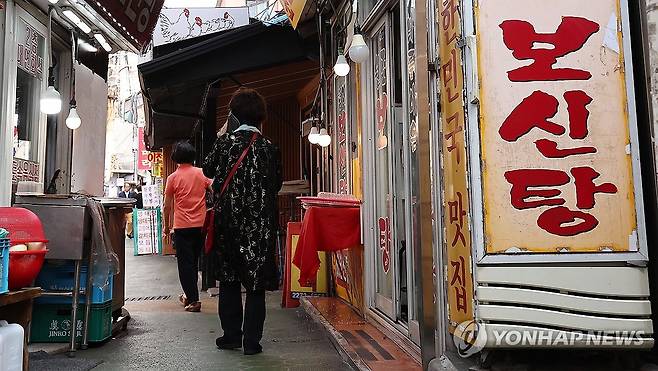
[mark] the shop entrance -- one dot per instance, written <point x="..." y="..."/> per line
<point x="392" y="253"/>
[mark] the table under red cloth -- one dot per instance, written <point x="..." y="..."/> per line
<point x="325" y="229"/>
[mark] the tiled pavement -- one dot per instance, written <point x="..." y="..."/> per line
<point x="362" y="343"/>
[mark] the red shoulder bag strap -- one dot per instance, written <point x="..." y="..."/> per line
<point x="237" y="164"/>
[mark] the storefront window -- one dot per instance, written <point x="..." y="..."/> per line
<point x="365" y="7"/>
<point x="26" y="119"/>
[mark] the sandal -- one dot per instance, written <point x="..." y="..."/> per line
<point x="193" y="307"/>
<point x="183" y="300"/>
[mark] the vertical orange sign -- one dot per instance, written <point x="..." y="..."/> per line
<point x="456" y="234"/>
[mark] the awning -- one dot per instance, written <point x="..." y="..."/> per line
<point x="176" y="85"/>
<point x="134" y="20"/>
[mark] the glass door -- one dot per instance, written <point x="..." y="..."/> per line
<point x="390" y="168"/>
<point x="383" y="200"/>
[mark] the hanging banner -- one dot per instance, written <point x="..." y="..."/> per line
<point x="135" y="20"/>
<point x="176" y="24"/>
<point x="556" y="132"/>
<point x="455" y="178"/>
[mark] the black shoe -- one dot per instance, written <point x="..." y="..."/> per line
<point x="250" y="351"/>
<point x="226" y="344"/>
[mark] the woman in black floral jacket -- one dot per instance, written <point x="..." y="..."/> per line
<point x="246" y="221"/>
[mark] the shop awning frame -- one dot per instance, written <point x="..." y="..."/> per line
<point x="176" y="85"/>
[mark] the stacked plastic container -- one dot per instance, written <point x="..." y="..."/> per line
<point x="51" y="319"/>
<point x="11" y="346"/>
<point x="4" y="261"/>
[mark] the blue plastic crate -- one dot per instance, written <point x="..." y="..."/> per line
<point x="4" y="265"/>
<point x="60" y="277"/>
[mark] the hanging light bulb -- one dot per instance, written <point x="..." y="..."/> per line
<point x="341" y="68"/>
<point x="324" y="139"/>
<point x="358" y="48"/>
<point x="73" y="121"/>
<point x="314" y="135"/>
<point x="51" y="101"/>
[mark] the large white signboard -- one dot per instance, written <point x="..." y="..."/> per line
<point x="557" y="128"/>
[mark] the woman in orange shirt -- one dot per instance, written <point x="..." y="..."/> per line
<point x="185" y="195"/>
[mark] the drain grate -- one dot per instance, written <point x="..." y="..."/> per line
<point x="149" y="298"/>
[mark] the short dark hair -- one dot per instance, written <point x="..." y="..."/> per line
<point x="183" y="153"/>
<point x="249" y="107"/>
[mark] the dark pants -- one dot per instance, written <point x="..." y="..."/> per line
<point x="188" y="243"/>
<point x="230" y="314"/>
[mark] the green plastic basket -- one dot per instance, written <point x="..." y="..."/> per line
<point x="51" y="323"/>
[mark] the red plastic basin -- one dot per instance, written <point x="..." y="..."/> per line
<point x="24" y="266"/>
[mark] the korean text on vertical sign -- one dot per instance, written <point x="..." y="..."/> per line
<point x="557" y="166"/>
<point x="455" y="197"/>
<point x="29" y="50"/>
<point x="341" y="134"/>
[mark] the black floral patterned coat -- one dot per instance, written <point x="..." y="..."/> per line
<point x="246" y="216"/>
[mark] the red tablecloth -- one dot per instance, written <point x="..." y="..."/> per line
<point x="325" y="229"/>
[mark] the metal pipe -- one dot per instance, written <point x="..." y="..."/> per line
<point x="424" y="262"/>
<point x="74" y="306"/>
<point x="88" y="289"/>
<point x="57" y="294"/>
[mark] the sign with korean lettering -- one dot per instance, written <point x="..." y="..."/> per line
<point x="556" y="158"/>
<point x="147" y="160"/>
<point x="457" y="236"/>
<point x="24" y="171"/>
<point x="134" y="19"/>
<point x="30" y="46"/>
<point x="341" y="135"/>
<point x="147" y="224"/>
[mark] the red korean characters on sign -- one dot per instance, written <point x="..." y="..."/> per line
<point x="146" y="159"/>
<point x="537" y="110"/>
<point x="555" y="129"/>
<point x="135" y="19"/>
<point x="385" y="242"/>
